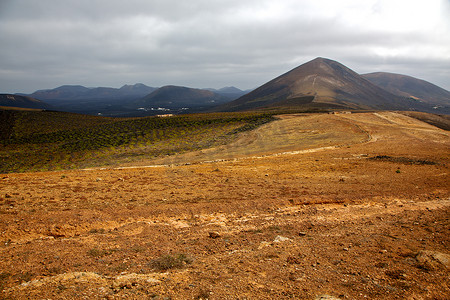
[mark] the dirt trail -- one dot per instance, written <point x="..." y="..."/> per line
<point x="304" y="207"/>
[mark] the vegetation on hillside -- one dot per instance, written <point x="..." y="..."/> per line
<point x="440" y="121"/>
<point x="36" y="141"/>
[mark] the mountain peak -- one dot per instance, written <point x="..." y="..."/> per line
<point x="322" y="60"/>
<point x="230" y="89"/>
<point x="321" y="82"/>
<point x="136" y="85"/>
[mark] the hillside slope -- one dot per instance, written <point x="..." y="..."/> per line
<point x="49" y="140"/>
<point x="359" y="219"/>
<point x="320" y="81"/>
<point x="22" y="101"/>
<point x="410" y="87"/>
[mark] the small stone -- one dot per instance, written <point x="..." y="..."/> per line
<point x="280" y="239"/>
<point x="214" y="235"/>
<point x="130" y="280"/>
<point x="293" y="260"/>
<point x="433" y="260"/>
<point x="301" y="233"/>
<point x="326" y="297"/>
<point x="263" y="245"/>
<point x="396" y="274"/>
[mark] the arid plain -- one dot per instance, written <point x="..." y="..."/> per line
<point x="321" y="206"/>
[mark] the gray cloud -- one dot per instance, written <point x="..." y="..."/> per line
<point x="201" y="43"/>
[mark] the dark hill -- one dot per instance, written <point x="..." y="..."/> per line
<point x="229" y="92"/>
<point x="62" y="92"/>
<point x="78" y="92"/>
<point x="99" y="100"/>
<point x="22" y="101"/>
<point x="320" y="83"/>
<point x="176" y="97"/>
<point x="410" y="87"/>
<point x="137" y="90"/>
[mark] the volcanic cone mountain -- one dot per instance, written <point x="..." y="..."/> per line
<point x="320" y="83"/>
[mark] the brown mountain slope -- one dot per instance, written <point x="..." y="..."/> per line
<point x="319" y="83"/>
<point x="408" y="86"/>
<point x="21" y="101"/>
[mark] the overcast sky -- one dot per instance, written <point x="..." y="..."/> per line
<point x="215" y="43"/>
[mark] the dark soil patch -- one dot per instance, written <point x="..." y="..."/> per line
<point x="403" y="160"/>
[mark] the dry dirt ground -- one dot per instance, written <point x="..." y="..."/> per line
<point x="307" y="207"/>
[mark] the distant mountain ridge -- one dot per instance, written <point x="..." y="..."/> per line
<point x="138" y="90"/>
<point x="410" y="87"/>
<point x="78" y="92"/>
<point x="229" y="92"/>
<point x="325" y="84"/>
<point x="134" y="100"/>
<point x="175" y="97"/>
<point x="318" y="85"/>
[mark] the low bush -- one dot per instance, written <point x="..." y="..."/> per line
<point x="169" y="261"/>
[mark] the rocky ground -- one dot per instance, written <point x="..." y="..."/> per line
<point x="307" y="207"/>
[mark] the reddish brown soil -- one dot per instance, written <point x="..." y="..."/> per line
<point x="316" y="221"/>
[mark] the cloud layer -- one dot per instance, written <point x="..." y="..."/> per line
<point x="202" y="43"/>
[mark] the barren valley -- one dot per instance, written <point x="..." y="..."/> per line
<point x="310" y="206"/>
